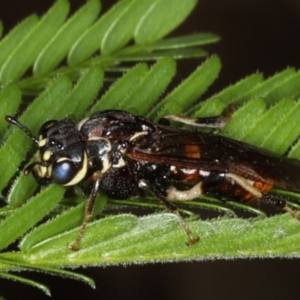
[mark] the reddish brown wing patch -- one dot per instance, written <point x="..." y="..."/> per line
<point x="192" y="151"/>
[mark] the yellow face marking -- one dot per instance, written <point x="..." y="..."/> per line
<point x="62" y="159"/>
<point x="41" y="171"/>
<point x="82" y="172"/>
<point x="42" y="142"/>
<point x="49" y="171"/>
<point x="47" y="155"/>
<point x="38" y="156"/>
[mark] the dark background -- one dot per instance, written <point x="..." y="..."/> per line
<point x="257" y="35"/>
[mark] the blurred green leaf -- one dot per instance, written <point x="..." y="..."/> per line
<point x="21" y="58"/>
<point x="15" y="37"/>
<point x="184" y="41"/>
<point x="10" y="99"/>
<point x="154" y="24"/>
<point x="65" y="37"/>
<point x="28" y="215"/>
<point x="189" y="90"/>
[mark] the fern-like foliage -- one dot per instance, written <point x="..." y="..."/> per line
<point x="266" y="116"/>
<point x="43" y="44"/>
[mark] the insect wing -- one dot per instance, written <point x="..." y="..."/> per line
<point x="180" y="148"/>
<point x="215" y="153"/>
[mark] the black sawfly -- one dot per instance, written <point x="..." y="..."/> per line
<point x="126" y="156"/>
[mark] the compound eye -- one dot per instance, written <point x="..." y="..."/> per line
<point x="63" y="172"/>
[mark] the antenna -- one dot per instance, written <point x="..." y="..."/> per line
<point x="15" y="122"/>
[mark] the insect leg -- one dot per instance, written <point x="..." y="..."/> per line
<point x="244" y="184"/>
<point x="209" y="122"/>
<point x="280" y="203"/>
<point x="257" y="194"/>
<point x="88" y="210"/>
<point x="171" y="207"/>
<point x="185" y="195"/>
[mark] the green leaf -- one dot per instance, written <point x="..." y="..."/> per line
<point x="119" y="35"/>
<point x="286" y="132"/>
<point x="83" y="94"/>
<point x="65" y="37"/>
<point x="210" y="108"/>
<point x="53" y="271"/>
<point x="150" y="87"/>
<point x="28" y="215"/>
<point x="91" y="40"/>
<point x="154" y="24"/>
<point x="26" y="52"/>
<point x="109" y="33"/>
<point x="43" y="44"/>
<point x="10" y="99"/>
<point x="20" y="279"/>
<point x="125" y="238"/>
<point x="189" y="90"/>
<point x="64" y="222"/>
<point x="145" y="55"/>
<point x="268" y="122"/>
<point x="264" y="88"/>
<point x="121" y="89"/>
<point x="118" y="225"/>
<point x="22" y="189"/>
<point x="286" y="89"/>
<point x="13" y="39"/>
<point x="245" y="118"/>
<point x="295" y="151"/>
<point x="61" y="223"/>
<point x="233" y="93"/>
<point x="184" y="41"/>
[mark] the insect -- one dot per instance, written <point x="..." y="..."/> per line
<point x="126" y="156"/>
